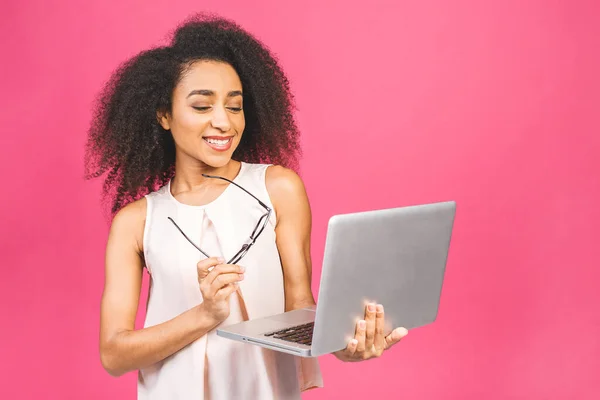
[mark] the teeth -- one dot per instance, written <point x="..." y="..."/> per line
<point x="217" y="142"/>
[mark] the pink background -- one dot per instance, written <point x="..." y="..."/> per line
<point x="492" y="104"/>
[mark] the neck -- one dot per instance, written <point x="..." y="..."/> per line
<point x="188" y="175"/>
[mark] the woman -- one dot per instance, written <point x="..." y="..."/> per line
<point x="174" y="126"/>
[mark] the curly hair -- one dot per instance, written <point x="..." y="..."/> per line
<point x="126" y="141"/>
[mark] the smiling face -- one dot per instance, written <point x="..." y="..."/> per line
<point x="207" y="117"/>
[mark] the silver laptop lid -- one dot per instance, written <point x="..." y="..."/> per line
<point x="395" y="257"/>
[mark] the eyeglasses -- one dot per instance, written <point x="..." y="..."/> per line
<point x="260" y="226"/>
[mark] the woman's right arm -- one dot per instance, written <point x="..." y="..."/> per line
<point x="122" y="348"/>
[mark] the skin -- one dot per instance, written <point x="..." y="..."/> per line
<point x="208" y="101"/>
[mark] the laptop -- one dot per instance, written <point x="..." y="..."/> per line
<point x="395" y="257"/>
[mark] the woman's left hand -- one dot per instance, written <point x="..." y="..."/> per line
<point x="369" y="340"/>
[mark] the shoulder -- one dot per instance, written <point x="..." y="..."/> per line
<point x="283" y="182"/>
<point x="285" y="187"/>
<point x="131" y="213"/>
<point x="128" y="222"/>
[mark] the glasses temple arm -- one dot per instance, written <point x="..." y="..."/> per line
<point x="188" y="239"/>
<point x="225" y="179"/>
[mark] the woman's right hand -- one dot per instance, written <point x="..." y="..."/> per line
<point x="217" y="282"/>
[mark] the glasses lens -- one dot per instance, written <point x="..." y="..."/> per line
<point x="240" y="254"/>
<point x="258" y="229"/>
<point x="260" y="225"/>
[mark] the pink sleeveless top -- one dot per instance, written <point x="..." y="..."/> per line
<point x="213" y="367"/>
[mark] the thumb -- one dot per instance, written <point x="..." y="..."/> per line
<point x="397" y="335"/>
<point x="205" y="266"/>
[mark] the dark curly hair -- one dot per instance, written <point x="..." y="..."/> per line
<point x="127" y="143"/>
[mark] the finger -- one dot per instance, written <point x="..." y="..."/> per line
<point x="370" y="320"/>
<point x="210" y="290"/>
<point x="223" y="269"/>
<point x="205" y="266"/>
<point x="210" y="262"/>
<point x="360" y="336"/>
<point x="379" y="328"/>
<point x="223" y="280"/>
<point x="351" y="348"/>
<point x="394" y="337"/>
<point x="226" y="291"/>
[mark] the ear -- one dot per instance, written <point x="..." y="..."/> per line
<point x="163" y="119"/>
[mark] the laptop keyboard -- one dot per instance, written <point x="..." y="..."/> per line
<point x="298" y="334"/>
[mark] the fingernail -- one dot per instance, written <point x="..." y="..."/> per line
<point x="221" y="259"/>
<point x="402" y="332"/>
<point x="242" y="269"/>
<point x="241" y="277"/>
<point x="371" y="307"/>
<point x="379" y="308"/>
<point x="354" y="342"/>
<point x="362" y="324"/>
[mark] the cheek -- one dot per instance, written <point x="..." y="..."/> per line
<point x="240" y="124"/>
<point x="188" y="122"/>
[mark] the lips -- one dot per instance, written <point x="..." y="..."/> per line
<point x="218" y="143"/>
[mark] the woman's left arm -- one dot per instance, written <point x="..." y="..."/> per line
<point x="293" y="229"/>
<point x="294" y="222"/>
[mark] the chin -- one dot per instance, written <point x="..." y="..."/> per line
<point x="217" y="161"/>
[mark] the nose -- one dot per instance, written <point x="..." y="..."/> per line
<point x="220" y="119"/>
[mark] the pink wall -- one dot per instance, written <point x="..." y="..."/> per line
<point x="493" y="104"/>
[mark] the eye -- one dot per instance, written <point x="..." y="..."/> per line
<point x="235" y="109"/>
<point x="201" y="108"/>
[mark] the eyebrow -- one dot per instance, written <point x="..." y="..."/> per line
<point x="205" y="92"/>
